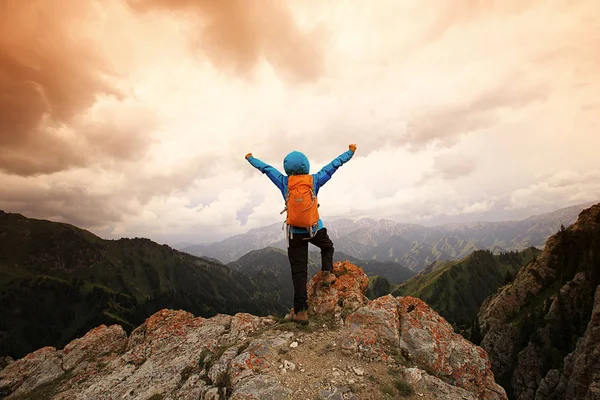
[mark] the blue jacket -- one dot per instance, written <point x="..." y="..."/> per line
<point x="296" y="163"/>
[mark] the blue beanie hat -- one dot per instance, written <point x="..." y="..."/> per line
<point x="296" y="163"/>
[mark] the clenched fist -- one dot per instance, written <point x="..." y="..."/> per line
<point x="352" y="147"/>
<point x="248" y="155"/>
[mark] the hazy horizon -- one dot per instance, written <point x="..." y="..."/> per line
<point x="460" y="110"/>
<point x="516" y="216"/>
<point x="174" y="242"/>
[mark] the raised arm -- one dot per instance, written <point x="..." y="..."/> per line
<point x="327" y="171"/>
<point x="274" y="175"/>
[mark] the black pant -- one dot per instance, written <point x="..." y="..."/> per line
<point x="298" y="256"/>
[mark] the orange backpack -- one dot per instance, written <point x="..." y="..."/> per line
<point x="301" y="202"/>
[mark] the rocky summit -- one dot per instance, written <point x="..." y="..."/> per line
<point x="353" y="348"/>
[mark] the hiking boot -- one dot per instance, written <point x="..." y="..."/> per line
<point x="328" y="278"/>
<point x="290" y="316"/>
<point x="301" y="317"/>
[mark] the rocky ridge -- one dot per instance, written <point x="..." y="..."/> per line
<point x="542" y="330"/>
<point x="353" y="348"/>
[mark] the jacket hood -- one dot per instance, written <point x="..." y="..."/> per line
<point x="296" y="163"/>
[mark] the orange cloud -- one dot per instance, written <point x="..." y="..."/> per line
<point x="236" y="34"/>
<point x="49" y="74"/>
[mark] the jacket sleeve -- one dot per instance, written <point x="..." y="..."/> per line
<point x="274" y="175"/>
<point x="327" y="171"/>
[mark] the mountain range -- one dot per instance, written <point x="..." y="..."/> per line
<point x="414" y="246"/>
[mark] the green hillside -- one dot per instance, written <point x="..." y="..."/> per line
<point x="457" y="289"/>
<point x="379" y="286"/>
<point x="58" y="281"/>
<point x="390" y="270"/>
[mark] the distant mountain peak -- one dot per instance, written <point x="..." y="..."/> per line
<point x="412" y="245"/>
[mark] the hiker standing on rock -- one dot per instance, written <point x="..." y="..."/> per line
<point x="303" y="225"/>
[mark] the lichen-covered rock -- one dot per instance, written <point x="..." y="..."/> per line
<point x="98" y="342"/>
<point x="430" y="341"/>
<point x="261" y="387"/>
<point x="161" y="352"/>
<point x="443" y="390"/>
<point x="255" y="358"/>
<point x="374" y="328"/>
<point x="193" y="388"/>
<point x="162" y="327"/>
<point x="407" y="325"/>
<point x="30" y="372"/>
<point x="243" y="324"/>
<point x="219" y="372"/>
<point x="347" y="292"/>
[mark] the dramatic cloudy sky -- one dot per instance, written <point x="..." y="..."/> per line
<point x="132" y="117"/>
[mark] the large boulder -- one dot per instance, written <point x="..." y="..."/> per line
<point x="346" y="294"/>
<point x="408" y="326"/>
<point x="431" y="342"/>
<point x="374" y="329"/>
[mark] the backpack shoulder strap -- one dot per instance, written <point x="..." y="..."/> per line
<point x="314" y="183"/>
